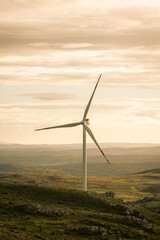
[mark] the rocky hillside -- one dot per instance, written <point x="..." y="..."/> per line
<point x="34" y="212"/>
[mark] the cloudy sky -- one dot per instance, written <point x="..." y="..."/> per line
<point x="51" y="54"/>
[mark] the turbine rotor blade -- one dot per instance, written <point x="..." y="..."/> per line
<point x="61" y="126"/>
<point x="89" y="103"/>
<point x="93" y="138"/>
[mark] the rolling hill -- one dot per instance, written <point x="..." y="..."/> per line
<point x="128" y="187"/>
<point x="34" y="212"/>
<point x="68" y="159"/>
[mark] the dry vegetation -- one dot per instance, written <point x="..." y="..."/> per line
<point x="128" y="188"/>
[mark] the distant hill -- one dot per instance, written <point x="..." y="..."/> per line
<point x="79" y="145"/>
<point x="65" y="159"/>
<point x="157" y="170"/>
<point x="10" y="168"/>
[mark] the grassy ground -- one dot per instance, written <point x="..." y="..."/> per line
<point x="128" y="187"/>
<point x="34" y="212"/>
<point x="50" y="206"/>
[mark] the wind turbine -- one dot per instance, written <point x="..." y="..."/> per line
<point x="85" y="122"/>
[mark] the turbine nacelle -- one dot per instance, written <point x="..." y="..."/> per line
<point x="86" y="122"/>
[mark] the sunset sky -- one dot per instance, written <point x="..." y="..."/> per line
<point x="51" y="55"/>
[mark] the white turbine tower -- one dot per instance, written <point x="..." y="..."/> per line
<point x="84" y="123"/>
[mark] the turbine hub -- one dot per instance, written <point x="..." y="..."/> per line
<point x="87" y="122"/>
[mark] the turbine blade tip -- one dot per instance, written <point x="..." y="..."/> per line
<point x="108" y="160"/>
<point x="38" y="129"/>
